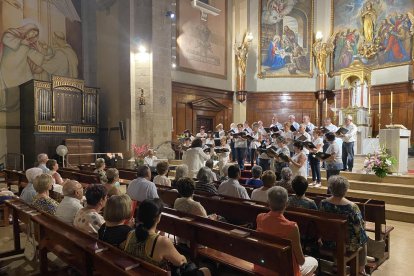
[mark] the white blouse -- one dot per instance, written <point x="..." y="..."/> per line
<point x="194" y="158"/>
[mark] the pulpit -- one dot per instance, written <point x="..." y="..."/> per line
<point x="397" y="141"/>
<point x="51" y="112"/>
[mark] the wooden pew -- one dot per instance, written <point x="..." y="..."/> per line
<point x="327" y="226"/>
<point x="240" y="253"/>
<point x="78" y="249"/>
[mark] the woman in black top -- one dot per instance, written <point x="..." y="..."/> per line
<point x="117" y="210"/>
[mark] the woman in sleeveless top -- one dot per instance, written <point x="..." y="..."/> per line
<point x="298" y="160"/>
<point x="144" y="242"/>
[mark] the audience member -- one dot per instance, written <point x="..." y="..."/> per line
<point x="112" y="177"/>
<point x="205" y="181"/>
<point x="100" y="170"/>
<point x="29" y="192"/>
<point x="88" y="218"/>
<point x="180" y="171"/>
<point x="298" y="162"/>
<point x="117" y="210"/>
<point x="42" y="184"/>
<point x="338" y="204"/>
<point x="162" y="170"/>
<point x="41" y="162"/>
<point x="232" y="186"/>
<point x="195" y="157"/>
<point x="274" y="223"/>
<point x="53" y="166"/>
<point x="286" y="181"/>
<point x="142" y="188"/>
<point x="299" y="200"/>
<point x="71" y="202"/>
<point x="210" y="165"/>
<point x="185" y="203"/>
<point x="146" y="243"/>
<point x="260" y="194"/>
<point x="225" y="172"/>
<point x="255" y="181"/>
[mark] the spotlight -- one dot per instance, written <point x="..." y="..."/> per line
<point x="142" y="49"/>
<point x="173" y="65"/>
<point x="170" y="14"/>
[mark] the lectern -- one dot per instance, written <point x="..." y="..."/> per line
<point x="398" y="142"/>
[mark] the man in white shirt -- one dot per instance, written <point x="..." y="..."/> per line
<point x="232" y="187"/>
<point x="275" y="123"/>
<point x="142" y="188"/>
<point x="150" y="158"/>
<point x="348" y="144"/>
<point x="292" y="120"/>
<point x="220" y="131"/>
<point x="327" y="123"/>
<point x="70" y="205"/>
<point x="41" y="160"/>
<point x="308" y="124"/>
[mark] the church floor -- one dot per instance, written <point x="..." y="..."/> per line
<point x="400" y="262"/>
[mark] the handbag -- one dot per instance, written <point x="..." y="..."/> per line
<point x="375" y="248"/>
<point x="187" y="269"/>
<point x="30" y="247"/>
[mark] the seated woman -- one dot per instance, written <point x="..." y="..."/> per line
<point x="145" y="243"/>
<point x="161" y="178"/>
<point x="112" y="176"/>
<point x="53" y="166"/>
<point x="255" y="181"/>
<point x="28" y="193"/>
<point x="205" y="181"/>
<point x="42" y="184"/>
<point x="299" y="200"/>
<point x="114" y="231"/>
<point x="286" y="181"/>
<point x="338" y="204"/>
<point x="180" y="171"/>
<point x="186" y="203"/>
<point x="88" y="218"/>
<point x="100" y="170"/>
<point x="268" y="179"/>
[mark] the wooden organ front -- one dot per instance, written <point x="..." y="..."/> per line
<point x="51" y="112"/>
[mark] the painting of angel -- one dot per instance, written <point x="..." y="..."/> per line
<point x="285" y="47"/>
<point x="377" y="32"/>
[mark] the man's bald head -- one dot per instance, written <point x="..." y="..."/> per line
<point x="72" y="188"/>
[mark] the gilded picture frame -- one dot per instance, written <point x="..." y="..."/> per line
<point x="349" y="31"/>
<point x="201" y="46"/>
<point x="285" y="39"/>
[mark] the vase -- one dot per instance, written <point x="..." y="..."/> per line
<point x="139" y="162"/>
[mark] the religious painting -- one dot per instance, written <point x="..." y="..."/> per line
<point x="376" y="32"/>
<point x="285" y="38"/>
<point x="202" y="39"/>
<point x="38" y="39"/>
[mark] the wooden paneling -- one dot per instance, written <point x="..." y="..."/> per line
<point x="190" y="101"/>
<point x="262" y="106"/>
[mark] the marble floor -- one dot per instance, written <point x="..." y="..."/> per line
<point x="400" y="263"/>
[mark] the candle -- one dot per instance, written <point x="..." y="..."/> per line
<point x="326" y="108"/>
<point x="379" y="102"/>
<point x="316" y="108"/>
<point x="342" y="97"/>
<point x="369" y="100"/>
<point x="335" y="102"/>
<point x="391" y="102"/>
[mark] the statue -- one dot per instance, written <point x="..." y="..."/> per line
<point x="368" y="17"/>
<point x="321" y="51"/>
<point x="242" y="52"/>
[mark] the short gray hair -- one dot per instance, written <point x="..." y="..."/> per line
<point x="286" y="173"/>
<point x="338" y="185"/>
<point x="277" y="197"/>
<point x="143" y="171"/>
<point x="257" y="171"/>
<point x="32" y="173"/>
<point x="181" y="171"/>
<point x="69" y="188"/>
<point x="225" y="169"/>
<point x="205" y="175"/>
<point x="42" y="157"/>
<point x="99" y="163"/>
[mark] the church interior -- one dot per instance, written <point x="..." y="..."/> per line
<point x="206" y="137"/>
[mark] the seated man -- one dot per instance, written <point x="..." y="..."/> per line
<point x="142" y="188"/>
<point x="232" y="186"/>
<point x="274" y="223"/>
<point x="41" y="162"/>
<point x="70" y="204"/>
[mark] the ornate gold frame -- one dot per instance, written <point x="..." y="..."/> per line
<point x="331" y="65"/>
<point x="310" y="43"/>
<point x="199" y="72"/>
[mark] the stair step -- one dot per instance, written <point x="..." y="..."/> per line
<point x="397" y="179"/>
<point x="400" y="213"/>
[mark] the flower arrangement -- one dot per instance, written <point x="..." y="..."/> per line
<point x="380" y="162"/>
<point x="140" y="152"/>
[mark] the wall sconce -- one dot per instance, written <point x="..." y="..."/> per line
<point x="141" y="104"/>
<point x="241" y="95"/>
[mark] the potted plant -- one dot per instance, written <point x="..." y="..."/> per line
<point x="380" y="162"/>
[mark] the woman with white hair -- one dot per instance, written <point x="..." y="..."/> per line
<point x="29" y="191"/>
<point x="205" y="181"/>
<point x="180" y="172"/>
<point x="338" y="204"/>
<point x="100" y="170"/>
